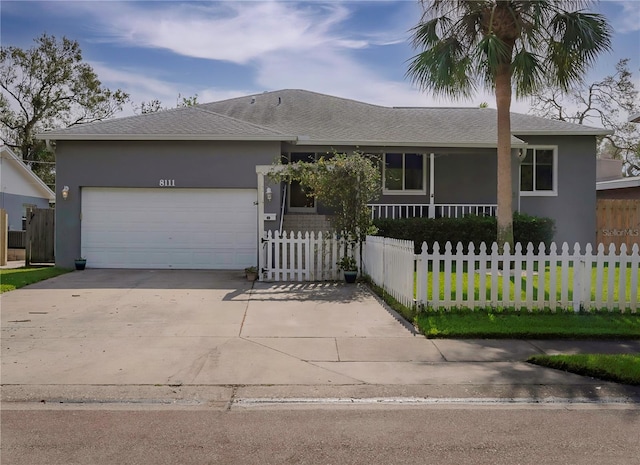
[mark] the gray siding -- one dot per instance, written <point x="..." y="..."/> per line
<point x="466" y="178"/>
<point x="574" y="208"/>
<point x="15" y="205"/>
<point x="470" y="176"/>
<point x="198" y="164"/>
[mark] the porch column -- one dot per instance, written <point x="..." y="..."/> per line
<point x="261" y="170"/>
<point x="432" y="197"/>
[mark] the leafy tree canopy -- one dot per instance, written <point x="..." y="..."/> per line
<point x="607" y="103"/>
<point x="49" y="86"/>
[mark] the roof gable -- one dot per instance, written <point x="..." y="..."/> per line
<point x="18" y="179"/>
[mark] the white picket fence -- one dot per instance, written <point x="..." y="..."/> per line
<point x="533" y="278"/>
<point x="304" y="256"/>
<point x="390" y="263"/>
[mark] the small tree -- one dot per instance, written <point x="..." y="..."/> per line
<point x="346" y="183"/>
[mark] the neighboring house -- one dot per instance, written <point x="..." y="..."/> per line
<point x="20" y="189"/>
<point x="185" y="188"/>
<point x="621" y="188"/>
<point x="610" y="184"/>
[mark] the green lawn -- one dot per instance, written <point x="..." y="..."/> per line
<point x="535" y="282"/>
<point x="15" y="278"/>
<point x="618" y="368"/>
<point x="528" y="325"/>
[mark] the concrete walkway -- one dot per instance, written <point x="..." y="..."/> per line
<point x="177" y="333"/>
<point x="12" y="264"/>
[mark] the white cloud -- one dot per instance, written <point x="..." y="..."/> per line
<point x="139" y="86"/>
<point x="286" y="44"/>
<point x="237" y="32"/>
<point x="629" y="19"/>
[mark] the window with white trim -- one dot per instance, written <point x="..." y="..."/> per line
<point x="538" y="171"/>
<point x="404" y="173"/>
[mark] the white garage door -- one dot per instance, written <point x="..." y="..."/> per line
<point x="169" y="228"/>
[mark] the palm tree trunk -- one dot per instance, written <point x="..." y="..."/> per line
<point x="504" y="195"/>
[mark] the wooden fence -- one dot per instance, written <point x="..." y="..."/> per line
<point x="304" y="256"/>
<point x="618" y="222"/>
<point x="557" y="279"/>
<point x="39" y="242"/>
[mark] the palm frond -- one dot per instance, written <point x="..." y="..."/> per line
<point x="577" y="39"/>
<point x="528" y="72"/>
<point x="444" y="68"/>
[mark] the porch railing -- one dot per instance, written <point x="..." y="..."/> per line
<point x="425" y="210"/>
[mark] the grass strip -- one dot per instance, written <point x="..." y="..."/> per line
<point x="528" y="325"/>
<point x="619" y="368"/>
<point x="16" y="278"/>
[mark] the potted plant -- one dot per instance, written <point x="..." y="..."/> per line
<point x="251" y="272"/>
<point x="350" y="268"/>
<point x="81" y="263"/>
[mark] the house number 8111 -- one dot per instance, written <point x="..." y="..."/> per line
<point x="167" y="183"/>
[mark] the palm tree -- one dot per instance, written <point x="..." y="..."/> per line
<point x="503" y="44"/>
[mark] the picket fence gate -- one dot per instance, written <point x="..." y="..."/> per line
<point x="555" y="279"/>
<point x="307" y="256"/>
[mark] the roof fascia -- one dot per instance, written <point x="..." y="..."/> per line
<point x="151" y="137"/>
<point x="588" y="132"/>
<point x="623" y="183"/>
<point x="39" y="183"/>
<point x="378" y="143"/>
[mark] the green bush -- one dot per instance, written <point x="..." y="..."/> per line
<point x="470" y="229"/>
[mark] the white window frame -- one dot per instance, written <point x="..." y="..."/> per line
<point x="536" y="193"/>
<point x="404" y="191"/>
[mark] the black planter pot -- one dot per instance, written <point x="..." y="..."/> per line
<point x="350" y="276"/>
<point x="81" y="264"/>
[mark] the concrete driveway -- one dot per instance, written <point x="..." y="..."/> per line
<point x="192" y="327"/>
<point x="213" y="328"/>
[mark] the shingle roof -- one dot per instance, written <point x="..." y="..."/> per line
<point x="30" y="177"/>
<point x="180" y="123"/>
<point x="319" y="119"/>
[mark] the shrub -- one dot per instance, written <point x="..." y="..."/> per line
<point x="470" y="229"/>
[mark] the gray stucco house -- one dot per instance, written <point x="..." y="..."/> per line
<point x="20" y="189"/>
<point x="185" y="188"/>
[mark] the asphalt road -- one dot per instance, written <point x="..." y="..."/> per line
<point x="463" y="434"/>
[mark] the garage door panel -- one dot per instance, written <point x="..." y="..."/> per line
<point x="169" y="228"/>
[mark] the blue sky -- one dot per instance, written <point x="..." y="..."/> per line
<point x="352" y="49"/>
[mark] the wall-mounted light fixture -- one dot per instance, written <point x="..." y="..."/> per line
<point x="65" y="192"/>
<point x="269" y="194"/>
<point x="522" y="154"/>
